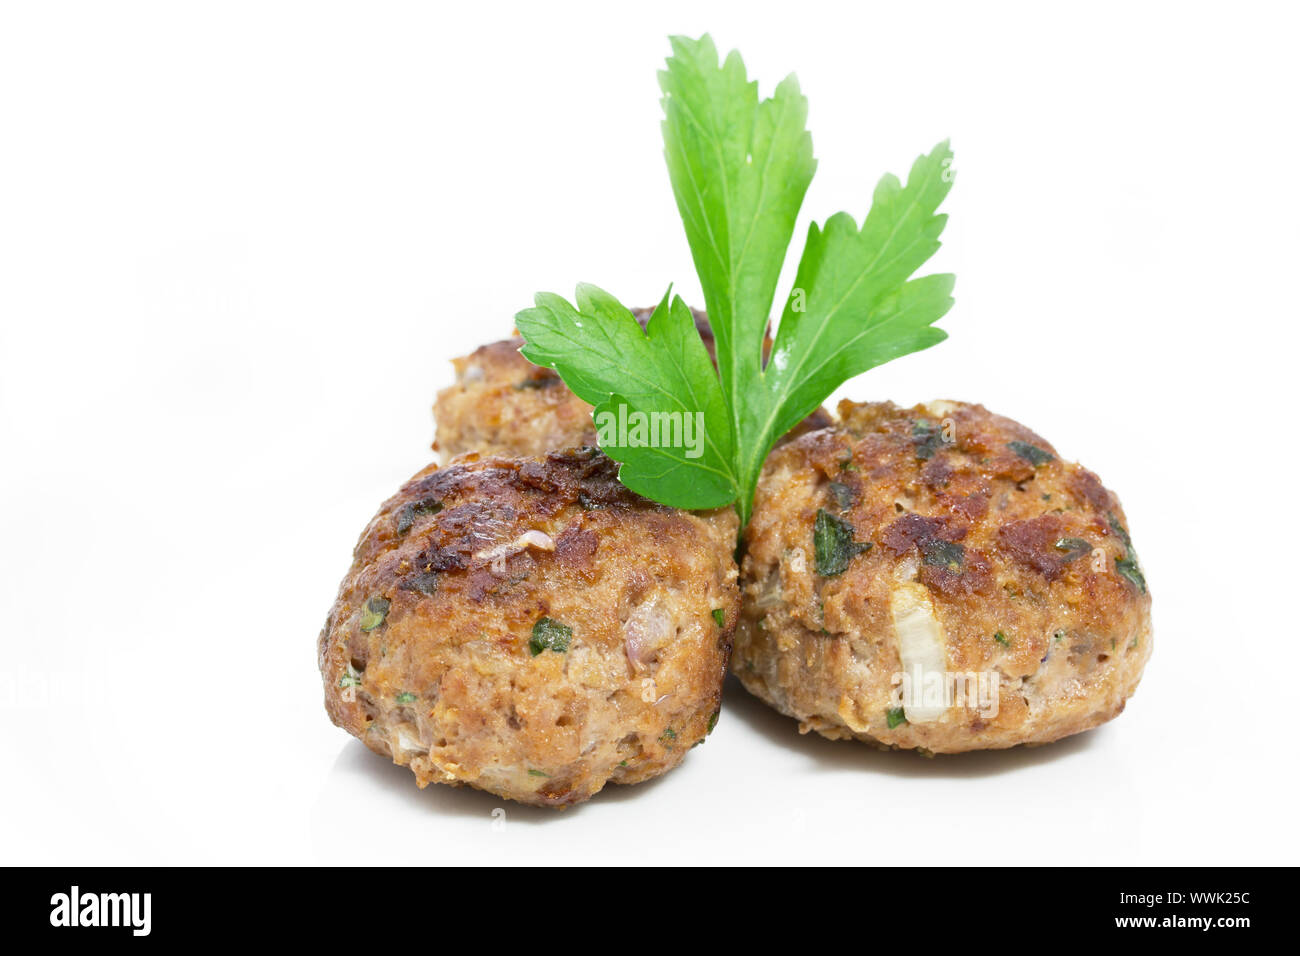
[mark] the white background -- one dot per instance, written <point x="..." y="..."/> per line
<point x="239" y="243"/>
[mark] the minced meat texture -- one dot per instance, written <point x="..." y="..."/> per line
<point x="1022" y="560"/>
<point x="538" y="633"/>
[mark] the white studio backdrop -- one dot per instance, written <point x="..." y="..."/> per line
<point x="239" y="243"/>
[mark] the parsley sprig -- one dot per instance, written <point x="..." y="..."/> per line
<point x="740" y="168"/>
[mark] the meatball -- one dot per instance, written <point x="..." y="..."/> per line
<point x="503" y="404"/>
<point x="532" y="628"/>
<point x="938" y="579"/>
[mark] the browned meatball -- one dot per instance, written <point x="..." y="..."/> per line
<point x="940" y="540"/>
<point x="503" y="404"/>
<point x="532" y="628"/>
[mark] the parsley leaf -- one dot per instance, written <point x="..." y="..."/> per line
<point x="853" y="307"/>
<point x="739" y="168"/>
<point x="660" y="375"/>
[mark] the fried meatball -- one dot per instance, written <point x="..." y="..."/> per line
<point x="503" y="404"/>
<point x="938" y="579"/>
<point x="532" y="628"/>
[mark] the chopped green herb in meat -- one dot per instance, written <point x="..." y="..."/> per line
<point x="928" y="438"/>
<point x="407" y="515"/>
<point x="1031" y="453"/>
<point x="550" y="635"/>
<point x="833" y="544"/>
<point x="375" y="613"/>
<point x="425" y="582"/>
<point x="939" y="553"/>
<point x="1073" y="548"/>
<point x="534" y="381"/>
<point x="1128" y="569"/>
<point x="1127" y="566"/>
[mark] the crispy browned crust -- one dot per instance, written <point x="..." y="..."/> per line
<point x="1075" y="633"/>
<point x="503" y="404"/>
<point x="468" y="558"/>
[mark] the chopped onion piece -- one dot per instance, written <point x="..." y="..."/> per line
<point x="921" y="648"/>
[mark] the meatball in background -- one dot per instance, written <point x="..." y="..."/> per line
<point x="943" y="540"/>
<point x="503" y="404"/>
<point x="532" y="628"/>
